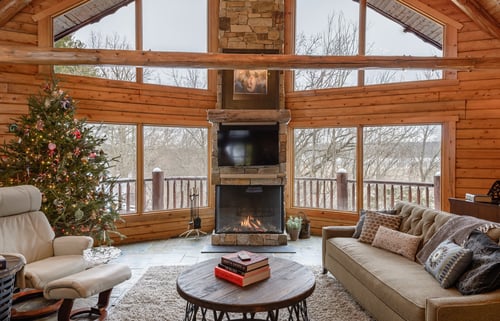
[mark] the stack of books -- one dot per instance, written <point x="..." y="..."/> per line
<point x="243" y="268"/>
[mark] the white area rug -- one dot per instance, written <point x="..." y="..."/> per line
<point x="154" y="297"/>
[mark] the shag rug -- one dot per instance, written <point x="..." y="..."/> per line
<point x="154" y="297"/>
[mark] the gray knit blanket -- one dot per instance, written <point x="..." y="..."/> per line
<point x="456" y="229"/>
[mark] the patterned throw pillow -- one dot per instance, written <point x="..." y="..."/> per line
<point x="447" y="263"/>
<point x="372" y="222"/>
<point x="483" y="274"/>
<point x="361" y="221"/>
<point x="397" y="242"/>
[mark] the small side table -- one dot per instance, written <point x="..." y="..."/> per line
<point x="101" y="254"/>
<point x="7" y="278"/>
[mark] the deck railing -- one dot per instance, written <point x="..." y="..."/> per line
<point x="168" y="193"/>
<point x="340" y="193"/>
<point x="174" y="192"/>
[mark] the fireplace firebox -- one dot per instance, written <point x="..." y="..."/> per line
<point x="249" y="209"/>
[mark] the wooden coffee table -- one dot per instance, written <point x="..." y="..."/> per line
<point x="287" y="288"/>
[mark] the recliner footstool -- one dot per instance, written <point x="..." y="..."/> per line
<point x="97" y="280"/>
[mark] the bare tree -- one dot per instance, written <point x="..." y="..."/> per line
<point x="340" y="38"/>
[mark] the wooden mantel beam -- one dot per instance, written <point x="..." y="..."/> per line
<point x="9" y="8"/>
<point x="479" y="15"/>
<point x="53" y="56"/>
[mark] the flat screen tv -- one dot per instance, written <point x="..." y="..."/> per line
<point x="248" y="145"/>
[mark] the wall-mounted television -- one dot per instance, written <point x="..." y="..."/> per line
<point x="248" y="145"/>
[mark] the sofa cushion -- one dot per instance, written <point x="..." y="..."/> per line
<point x="372" y="222"/>
<point x="361" y="221"/>
<point x="484" y="273"/>
<point x="397" y="242"/>
<point x="420" y="221"/>
<point x="447" y="263"/>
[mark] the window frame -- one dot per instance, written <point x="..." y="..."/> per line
<point x="448" y="139"/>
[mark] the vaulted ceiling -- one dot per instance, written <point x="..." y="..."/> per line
<point x="485" y="13"/>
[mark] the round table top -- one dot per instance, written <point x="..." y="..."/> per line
<point x="290" y="283"/>
<point x="14" y="264"/>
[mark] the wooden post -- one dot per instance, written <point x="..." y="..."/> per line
<point x="437" y="191"/>
<point x="342" y="196"/>
<point x="158" y="178"/>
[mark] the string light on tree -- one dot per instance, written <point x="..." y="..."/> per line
<point x="59" y="154"/>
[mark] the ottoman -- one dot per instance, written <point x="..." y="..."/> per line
<point x="97" y="280"/>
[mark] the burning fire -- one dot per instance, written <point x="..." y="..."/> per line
<point x="251" y="223"/>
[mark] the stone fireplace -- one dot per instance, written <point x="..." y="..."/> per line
<point x="250" y="181"/>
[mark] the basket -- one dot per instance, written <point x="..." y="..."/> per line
<point x="6" y="290"/>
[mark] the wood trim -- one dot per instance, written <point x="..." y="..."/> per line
<point x="53" y="10"/>
<point x="212" y="39"/>
<point x="289" y="41"/>
<point x="431" y="13"/>
<point x="479" y="15"/>
<point x="448" y="162"/>
<point x="58" y="56"/>
<point x="139" y="74"/>
<point x="9" y="8"/>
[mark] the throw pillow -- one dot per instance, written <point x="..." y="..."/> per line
<point x="361" y="221"/>
<point x="484" y="272"/>
<point x="447" y="262"/>
<point x="373" y="221"/>
<point x="397" y="242"/>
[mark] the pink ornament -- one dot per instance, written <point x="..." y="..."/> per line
<point x="52" y="148"/>
<point x="77" y="134"/>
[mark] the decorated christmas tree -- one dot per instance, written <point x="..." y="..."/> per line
<point x="61" y="155"/>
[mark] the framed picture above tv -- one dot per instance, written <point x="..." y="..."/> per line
<point x="250" y="88"/>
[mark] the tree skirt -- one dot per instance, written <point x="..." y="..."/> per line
<point x="154" y="297"/>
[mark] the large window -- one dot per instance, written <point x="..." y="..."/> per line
<point x="166" y="26"/>
<point x="175" y="165"/>
<point x="334" y="28"/>
<point x="397" y="162"/>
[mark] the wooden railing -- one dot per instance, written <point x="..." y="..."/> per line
<point x="340" y="193"/>
<point x="165" y="193"/>
<point x="172" y="192"/>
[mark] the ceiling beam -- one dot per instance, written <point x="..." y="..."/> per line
<point x="9" y="8"/>
<point x="479" y="15"/>
<point x="58" y="56"/>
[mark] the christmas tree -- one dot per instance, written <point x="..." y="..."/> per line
<point x="61" y="156"/>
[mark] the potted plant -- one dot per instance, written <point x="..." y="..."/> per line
<point x="293" y="226"/>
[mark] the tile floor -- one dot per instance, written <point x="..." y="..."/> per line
<point x="186" y="251"/>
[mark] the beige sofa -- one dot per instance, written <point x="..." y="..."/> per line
<point x="392" y="287"/>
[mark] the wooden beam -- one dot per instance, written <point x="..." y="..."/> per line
<point x="9" y="8"/>
<point x="60" y="56"/>
<point x="480" y="16"/>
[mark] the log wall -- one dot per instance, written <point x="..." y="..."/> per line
<point x="470" y="104"/>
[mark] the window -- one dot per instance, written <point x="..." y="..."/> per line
<point x="398" y="163"/>
<point x="333" y="28"/>
<point x="320" y="156"/>
<point x="175" y="163"/>
<point x="166" y="26"/>
<point x="121" y="145"/>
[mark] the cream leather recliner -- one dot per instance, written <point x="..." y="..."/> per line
<point x="26" y="232"/>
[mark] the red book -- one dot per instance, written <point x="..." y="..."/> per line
<point x="256" y="261"/>
<point x="240" y="279"/>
